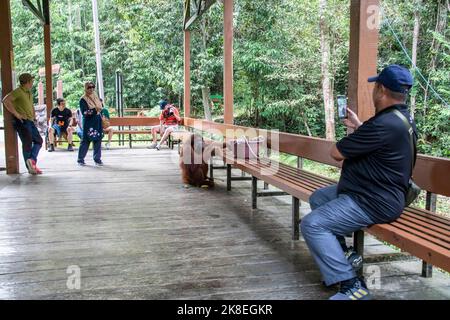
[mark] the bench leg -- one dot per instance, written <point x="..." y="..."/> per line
<point x="254" y="193"/>
<point x="131" y="142"/>
<point x="430" y="204"/>
<point x="358" y="244"/>
<point x="228" y="177"/>
<point x="295" y="218"/>
<point x="427" y="270"/>
<point x="211" y="169"/>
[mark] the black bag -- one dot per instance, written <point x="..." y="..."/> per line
<point x="413" y="189"/>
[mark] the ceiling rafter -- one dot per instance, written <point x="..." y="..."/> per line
<point x="199" y="6"/>
<point x="41" y="9"/>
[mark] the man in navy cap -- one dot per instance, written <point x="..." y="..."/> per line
<point x="372" y="188"/>
<point x="169" y="120"/>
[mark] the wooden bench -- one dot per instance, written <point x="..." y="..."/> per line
<point x="135" y="126"/>
<point x="419" y="232"/>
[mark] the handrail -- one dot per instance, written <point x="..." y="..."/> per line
<point x="430" y="173"/>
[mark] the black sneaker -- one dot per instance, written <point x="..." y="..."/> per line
<point x="70" y="148"/>
<point x="99" y="163"/>
<point x="51" y="148"/>
<point x="81" y="163"/>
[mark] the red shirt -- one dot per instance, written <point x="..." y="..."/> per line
<point x="169" y="120"/>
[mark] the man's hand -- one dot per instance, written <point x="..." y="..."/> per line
<point x="352" y="121"/>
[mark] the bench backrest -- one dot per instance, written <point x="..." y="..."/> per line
<point x="430" y="173"/>
<point x="134" y="121"/>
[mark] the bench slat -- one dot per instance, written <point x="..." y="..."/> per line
<point x="423" y="249"/>
<point x="424" y="221"/>
<point x="258" y="169"/>
<point x="443" y="236"/>
<point x="429" y="226"/>
<point x="425" y="214"/>
<point x="417" y="233"/>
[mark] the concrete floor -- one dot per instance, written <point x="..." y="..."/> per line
<point x="130" y="230"/>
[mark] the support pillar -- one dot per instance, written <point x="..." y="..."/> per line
<point x="364" y="34"/>
<point x="6" y="58"/>
<point x="48" y="70"/>
<point x="187" y="74"/>
<point x="228" y="62"/>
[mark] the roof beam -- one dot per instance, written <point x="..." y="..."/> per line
<point x="201" y="6"/>
<point x="37" y="12"/>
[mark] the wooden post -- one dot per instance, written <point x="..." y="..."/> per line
<point x="48" y="70"/>
<point x="6" y="58"/>
<point x="187" y="74"/>
<point x="364" y="31"/>
<point x="228" y="61"/>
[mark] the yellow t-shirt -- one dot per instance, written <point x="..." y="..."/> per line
<point x="23" y="103"/>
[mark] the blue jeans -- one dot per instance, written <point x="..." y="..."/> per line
<point x="30" y="137"/>
<point x="84" y="147"/>
<point x="58" y="130"/>
<point x="332" y="216"/>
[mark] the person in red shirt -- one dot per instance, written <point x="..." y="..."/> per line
<point x="168" y="122"/>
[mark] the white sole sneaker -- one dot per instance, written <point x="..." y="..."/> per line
<point x="30" y="167"/>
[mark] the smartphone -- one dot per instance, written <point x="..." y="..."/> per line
<point x="342" y="107"/>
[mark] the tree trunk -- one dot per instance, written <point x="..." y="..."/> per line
<point x="305" y="121"/>
<point x="326" y="82"/>
<point x="414" y="49"/>
<point x="441" y="23"/>
<point x="206" y="103"/>
<point x="71" y="40"/>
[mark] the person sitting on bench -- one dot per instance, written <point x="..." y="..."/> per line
<point x="169" y="119"/>
<point x="373" y="183"/>
<point x="60" y="121"/>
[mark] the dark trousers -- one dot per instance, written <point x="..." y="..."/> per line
<point x="30" y="137"/>
<point x="84" y="147"/>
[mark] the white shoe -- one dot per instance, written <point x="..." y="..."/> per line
<point x="158" y="147"/>
<point x="107" y="145"/>
<point x="152" y="146"/>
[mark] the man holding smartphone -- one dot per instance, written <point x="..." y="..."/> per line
<point x="374" y="179"/>
<point x="20" y="104"/>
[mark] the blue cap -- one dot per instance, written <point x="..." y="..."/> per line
<point x="162" y="104"/>
<point x="394" y="77"/>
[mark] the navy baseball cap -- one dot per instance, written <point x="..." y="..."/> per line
<point x="395" y="77"/>
<point x="162" y="104"/>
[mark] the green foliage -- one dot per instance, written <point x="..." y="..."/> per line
<point x="277" y="82"/>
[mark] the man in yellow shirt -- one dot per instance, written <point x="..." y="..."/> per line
<point x="20" y="104"/>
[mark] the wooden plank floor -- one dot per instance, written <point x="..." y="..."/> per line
<point x="136" y="233"/>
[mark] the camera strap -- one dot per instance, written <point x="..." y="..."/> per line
<point x="410" y="132"/>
